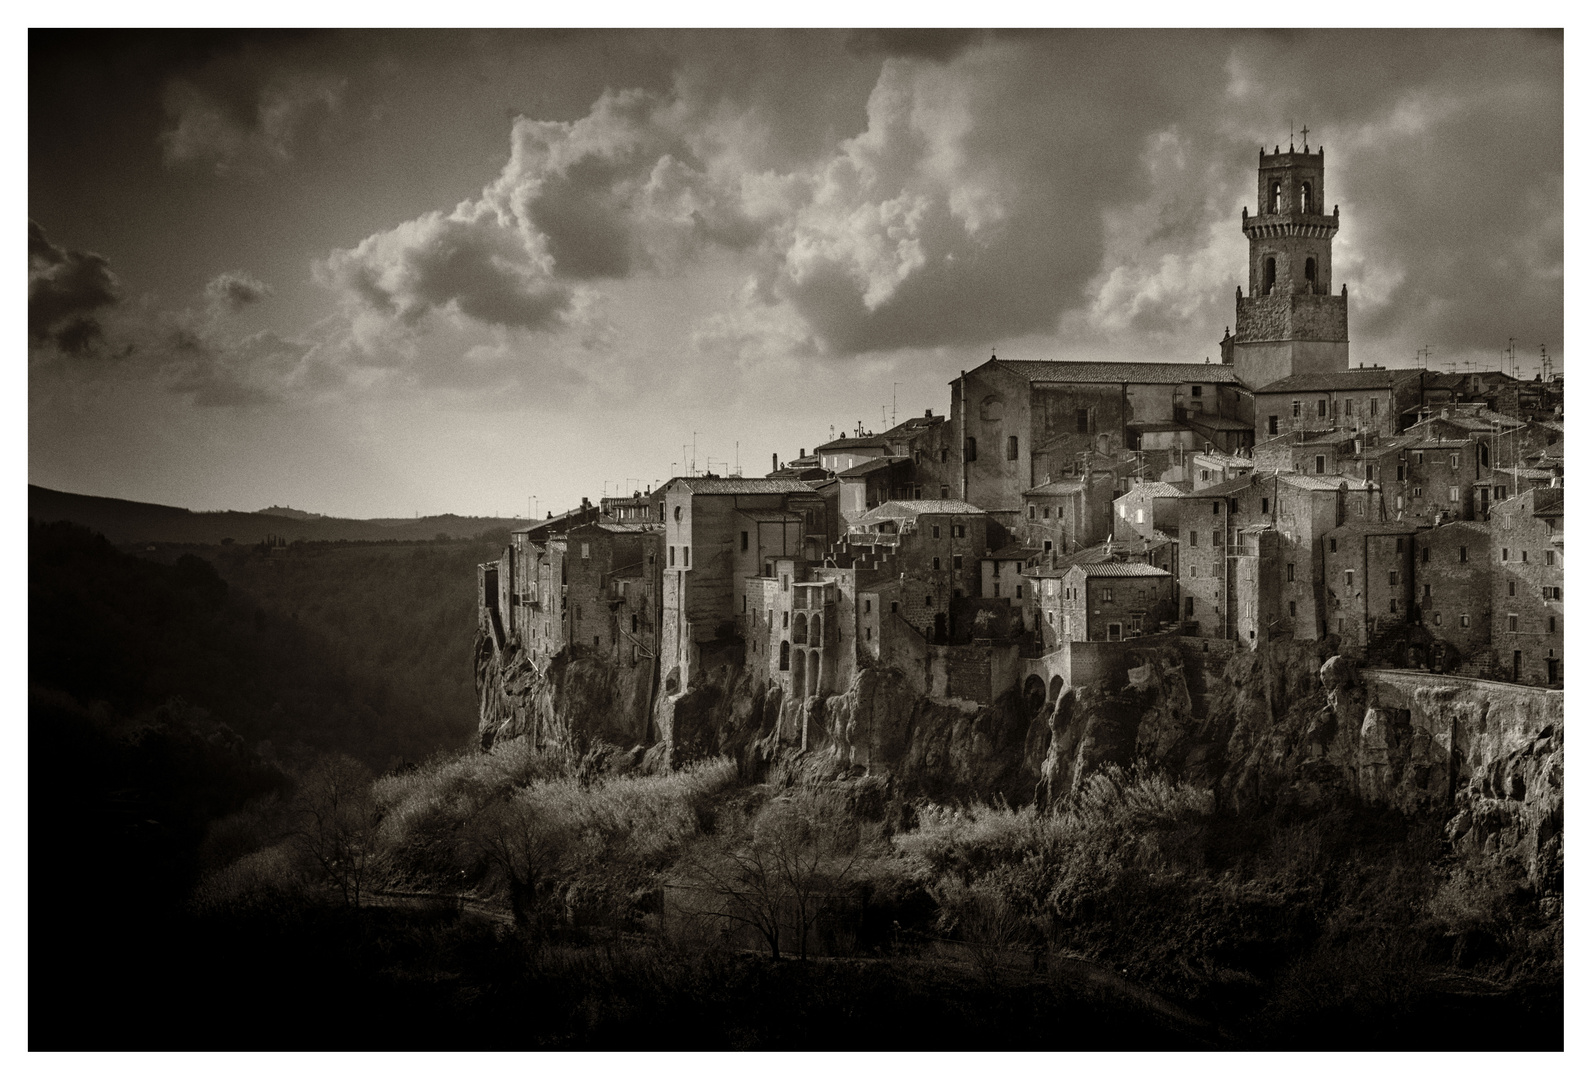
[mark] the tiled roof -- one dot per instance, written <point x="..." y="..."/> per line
<point x="1089" y="371"/>
<point x="1012" y="552"/>
<point x="1353" y="379"/>
<point x="914" y="426"/>
<point x="1158" y="489"/>
<point x="896" y="509"/>
<point x="1226" y="487"/>
<point x="867" y="442"/>
<point x="1311" y="482"/>
<point x="739" y="485"/>
<point x="1550" y="502"/>
<point x="625" y="526"/>
<point x="1376" y="528"/>
<point x="1116" y="569"/>
<point x="769" y="515"/>
<point x="1057" y="487"/>
<point x="872" y="465"/>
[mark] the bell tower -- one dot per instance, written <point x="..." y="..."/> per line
<point x="1290" y="322"/>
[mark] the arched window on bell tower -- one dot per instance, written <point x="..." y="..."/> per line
<point x="1276" y="196"/>
<point x="1304" y="198"/>
<point x="1310" y="275"/>
<point x="1271" y="276"/>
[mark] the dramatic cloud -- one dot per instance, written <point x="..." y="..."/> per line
<point x="65" y="291"/>
<point x="235" y="291"/>
<point x="248" y="132"/>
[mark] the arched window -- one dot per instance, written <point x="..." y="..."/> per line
<point x="815" y="631"/>
<point x="798" y="676"/>
<point x="1276" y="197"/>
<point x="1271" y="277"/>
<point x="784" y="656"/>
<point x="798" y="630"/>
<point x="1304" y="198"/>
<point x="1310" y="275"/>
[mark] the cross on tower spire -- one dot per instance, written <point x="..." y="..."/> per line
<point x="1305" y="132"/>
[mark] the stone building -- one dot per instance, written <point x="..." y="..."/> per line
<point x="1453" y="592"/>
<point x="637" y="509"/>
<point x="1066" y="515"/>
<point x="718" y="530"/>
<point x="1110" y="601"/>
<point x="1148" y="508"/>
<point x="1302" y="508"/>
<point x="1018" y="422"/>
<point x="1528" y="587"/>
<point x="926" y="441"/>
<point x="936" y="545"/>
<point x="1364" y="399"/>
<point x="1370" y="579"/>
<point x="875" y="481"/>
<point x="838" y="455"/>
<point x="1290" y="323"/>
<point x="614" y="592"/>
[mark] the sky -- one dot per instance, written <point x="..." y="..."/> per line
<point x="376" y="274"/>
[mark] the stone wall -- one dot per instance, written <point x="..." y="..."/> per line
<point x="1293" y="317"/>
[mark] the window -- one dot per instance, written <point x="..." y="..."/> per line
<point x="1290" y="571"/>
<point x="1547" y="557"/>
<point x="1453" y="494"/>
<point x="917" y="457"/>
<point x="671" y="555"/>
<point x="1392" y="577"/>
<point x="1195" y="391"/>
<point x="1392" y="606"/>
<point x="1437" y="618"/>
<point x="1047" y="545"/>
<point x="1511" y="588"/>
<point x="1271" y="277"/>
<point x="785" y="622"/>
<point x="1464" y="621"/>
<point x="935" y="531"/>
<point x="894" y="606"/>
<point x="1453" y="461"/>
<point x="945" y="454"/>
<point x="867" y="633"/>
<point x="1033" y="512"/>
<point x="1138" y="517"/>
<point x="1426" y="554"/>
<point x="1292" y="610"/>
<point x="1019" y="592"/>
<point x="945" y="491"/>
<point x="1296" y="412"/>
<point x="1553" y="624"/>
<point x="1525" y="556"/>
<point x="1370" y="471"/>
<point x="686" y="558"/>
<point x="1193" y="571"/>
<point x="1216" y="508"/>
<point x="957" y="593"/>
<point x="1373" y="406"/>
<point x="997" y="588"/>
<point x="936" y="562"/>
<point x="971" y="453"/>
<point x="1205" y="474"/>
<point x="1348" y="579"/>
<point x="1499" y="492"/>
<point x="1417" y="491"/>
<point x="1332" y="544"/>
<point x="784" y="583"/>
<point x="784" y="656"/>
<point x="1321" y="464"/>
<point x="1506" y="555"/>
<point x="1401" y="473"/>
<point x="1011" y="448"/>
<point x="1265" y="506"/>
<point x="585" y="551"/>
<point x="1107" y="596"/>
<point x="1082" y="419"/>
<point x="1216" y="538"/>
<point x="956" y="563"/>
<point x="745" y="540"/>
<point x="1122" y="511"/>
<point x="1047" y="513"/>
<point x="1271" y="425"/>
<point x="1514" y="624"/>
<point x="1420" y="457"/>
<point x="928" y="601"/>
<point x="1321" y="408"/>
<point x="1348" y="406"/>
<point x="1463" y="555"/>
<point x="1426" y="591"/>
<point x="677" y="513"/>
<point x="959" y="531"/>
<point x="1193" y="539"/>
<point x="1550" y="592"/>
<point x="867" y="606"/>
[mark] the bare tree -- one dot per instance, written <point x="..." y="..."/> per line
<point x="783" y="873"/>
<point x="336" y="823"/>
<point x="525" y="846"/>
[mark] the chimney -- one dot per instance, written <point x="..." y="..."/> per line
<point x="802" y="452"/>
<point x="928" y="414"/>
<point x="776" y="463"/>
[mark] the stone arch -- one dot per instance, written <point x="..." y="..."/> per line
<point x="1034" y="691"/>
<point x="798" y="675"/>
<point x="815" y="630"/>
<point x="1304" y="198"/>
<point x="1057" y="685"/>
<point x="798" y="628"/>
<point x="1276" y="196"/>
<point x="992" y="408"/>
<point x="784" y="656"/>
<point x="1271" y="276"/>
<point x="1310" y="275"/>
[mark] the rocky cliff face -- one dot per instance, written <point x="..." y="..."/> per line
<point x="1289" y="724"/>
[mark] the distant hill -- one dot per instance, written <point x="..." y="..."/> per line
<point x="125" y="522"/>
<point x="289" y="512"/>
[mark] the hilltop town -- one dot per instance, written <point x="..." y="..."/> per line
<point x="1060" y="516"/>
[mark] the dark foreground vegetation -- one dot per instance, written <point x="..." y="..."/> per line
<point x="191" y="887"/>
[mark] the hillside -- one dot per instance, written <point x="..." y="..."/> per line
<point x="123" y="521"/>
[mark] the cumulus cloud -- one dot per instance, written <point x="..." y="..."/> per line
<point x="66" y="291"/>
<point x="249" y="131"/>
<point x="236" y="290"/>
